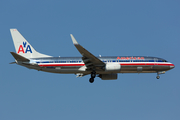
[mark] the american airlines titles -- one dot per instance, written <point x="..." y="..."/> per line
<point x="130" y="58"/>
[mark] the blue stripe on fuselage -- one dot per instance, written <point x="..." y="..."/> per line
<point x="104" y="59"/>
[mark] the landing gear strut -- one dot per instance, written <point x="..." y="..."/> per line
<point x="157" y="76"/>
<point x="93" y="75"/>
<point x="160" y="72"/>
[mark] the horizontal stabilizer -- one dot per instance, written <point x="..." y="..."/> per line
<point x="19" y="57"/>
<point x="12" y="63"/>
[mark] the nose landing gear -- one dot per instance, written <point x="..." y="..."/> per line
<point x="158" y="73"/>
<point x="157" y="76"/>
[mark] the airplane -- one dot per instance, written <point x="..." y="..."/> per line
<point x="106" y="68"/>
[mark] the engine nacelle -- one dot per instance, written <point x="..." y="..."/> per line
<point x="112" y="66"/>
<point x="108" y="76"/>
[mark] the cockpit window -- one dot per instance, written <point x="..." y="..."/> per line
<point x="164" y="60"/>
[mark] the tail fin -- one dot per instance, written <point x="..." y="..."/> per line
<point x="23" y="47"/>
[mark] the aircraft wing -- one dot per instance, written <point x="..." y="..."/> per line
<point x="91" y="62"/>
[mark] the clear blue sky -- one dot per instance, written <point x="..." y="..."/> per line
<point x="104" y="27"/>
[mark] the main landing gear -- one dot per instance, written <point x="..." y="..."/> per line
<point x="93" y="75"/>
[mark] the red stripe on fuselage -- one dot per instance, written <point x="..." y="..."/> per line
<point x="142" y="64"/>
<point x="122" y="64"/>
<point x="47" y="65"/>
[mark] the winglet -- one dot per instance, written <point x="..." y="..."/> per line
<point x="74" y="40"/>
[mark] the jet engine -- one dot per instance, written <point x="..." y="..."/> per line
<point x="112" y="66"/>
<point x="108" y="76"/>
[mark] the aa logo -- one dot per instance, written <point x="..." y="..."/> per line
<point x="24" y="48"/>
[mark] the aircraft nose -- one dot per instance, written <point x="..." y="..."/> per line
<point x="172" y="66"/>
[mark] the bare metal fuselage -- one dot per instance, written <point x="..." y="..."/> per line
<point x="104" y="67"/>
<point x="74" y="65"/>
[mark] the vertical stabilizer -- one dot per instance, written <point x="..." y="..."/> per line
<point x="23" y="47"/>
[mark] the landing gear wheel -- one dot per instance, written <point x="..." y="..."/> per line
<point x="91" y="80"/>
<point x="93" y="74"/>
<point x="158" y="77"/>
